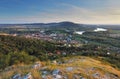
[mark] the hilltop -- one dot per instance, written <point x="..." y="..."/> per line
<point x="78" y="67"/>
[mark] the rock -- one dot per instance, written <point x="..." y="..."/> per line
<point x="75" y="77"/>
<point x="43" y="68"/>
<point x="28" y="76"/>
<point x="44" y="77"/>
<point x="58" y="77"/>
<point x="59" y="63"/>
<point x="17" y="76"/>
<point x="56" y="72"/>
<point x="44" y="72"/>
<point x="65" y="77"/>
<point x="54" y="62"/>
<point x="96" y="75"/>
<point x="82" y="78"/>
<point x="37" y="65"/>
<point x="69" y="68"/>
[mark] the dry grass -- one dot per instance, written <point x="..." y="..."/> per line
<point x="81" y="65"/>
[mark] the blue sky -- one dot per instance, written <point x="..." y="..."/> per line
<point x="79" y="11"/>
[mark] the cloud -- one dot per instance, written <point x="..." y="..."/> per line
<point x="110" y="14"/>
<point x="80" y="15"/>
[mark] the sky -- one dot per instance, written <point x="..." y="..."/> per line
<point x="46" y="11"/>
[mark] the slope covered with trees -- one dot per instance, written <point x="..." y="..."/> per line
<point x="14" y="50"/>
<point x="17" y="50"/>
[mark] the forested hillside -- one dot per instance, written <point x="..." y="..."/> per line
<point x="16" y="50"/>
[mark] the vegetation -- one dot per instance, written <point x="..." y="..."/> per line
<point x="80" y="66"/>
<point x="99" y="51"/>
<point x="16" y="50"/>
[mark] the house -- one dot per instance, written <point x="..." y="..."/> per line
<point x="58" y="52"/>
<point x="64" y="53"/>
<point x="108" y="53"/>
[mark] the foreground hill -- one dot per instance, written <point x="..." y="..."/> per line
<point x="78" y="67"/>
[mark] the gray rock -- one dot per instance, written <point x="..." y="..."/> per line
<point x="69" y="68"/>
<point x="17" y="76"/>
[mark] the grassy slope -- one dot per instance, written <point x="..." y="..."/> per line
<point x="81" y="65"/>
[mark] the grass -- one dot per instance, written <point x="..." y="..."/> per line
<point x="81" y="65"/>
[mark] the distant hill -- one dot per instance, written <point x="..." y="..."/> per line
<point x="60" y="25"/>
